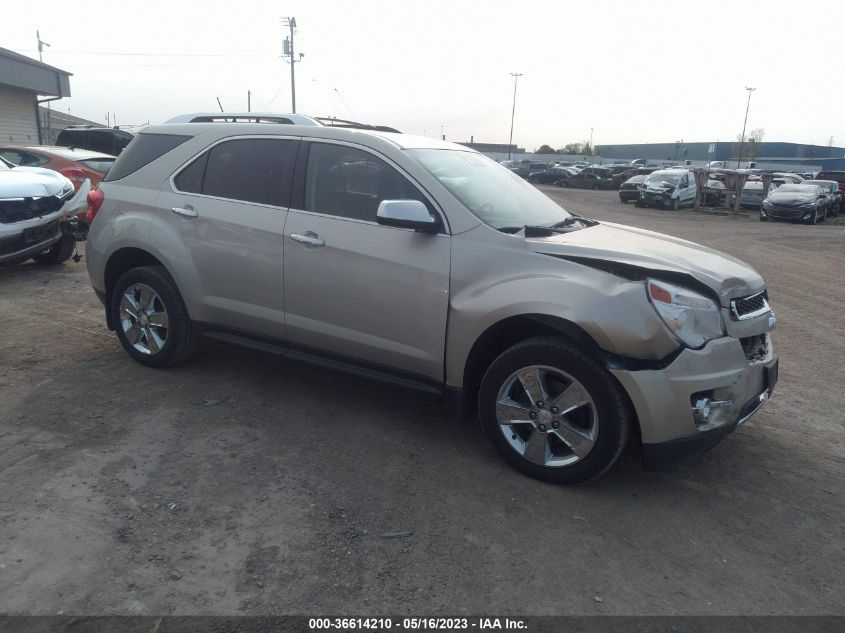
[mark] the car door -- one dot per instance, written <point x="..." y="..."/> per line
<point x="684" y="190"/>
<point x="353" y="287"/>
<point x="227" y="207"/>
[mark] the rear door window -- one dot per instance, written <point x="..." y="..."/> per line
<point x="249" y="170"/>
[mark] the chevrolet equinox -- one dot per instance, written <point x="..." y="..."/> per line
<point x="426" y="264"/>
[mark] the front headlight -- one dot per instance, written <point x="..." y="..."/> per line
<point x="694" y="318"/>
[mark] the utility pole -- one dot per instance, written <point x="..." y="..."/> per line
<point x="516" y="77"/>
<point x="41" y="45"/>
<point x="288" y="51"/>
<point x="249" y="101"/>
<point x="742" y="139"/>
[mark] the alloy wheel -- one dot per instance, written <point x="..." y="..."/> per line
<point x="143" y="319"/>
<point x="547" y="416"/>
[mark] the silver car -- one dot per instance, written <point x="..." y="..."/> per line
<point x="428" y="265"/>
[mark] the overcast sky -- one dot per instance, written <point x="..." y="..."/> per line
<point x="635" y="71"/>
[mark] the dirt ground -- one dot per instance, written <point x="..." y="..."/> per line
<point x="242" y="483"/>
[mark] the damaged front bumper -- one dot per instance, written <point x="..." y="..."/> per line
<point x="702" y="395"/>
<point x="653" y="198"/>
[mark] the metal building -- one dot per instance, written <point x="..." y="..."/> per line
<point x="22" y="82"/>
<point x="764" y="152"/>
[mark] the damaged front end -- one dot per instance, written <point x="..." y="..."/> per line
<point x="32" y="224"/>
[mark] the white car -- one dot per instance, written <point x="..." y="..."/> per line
<point x="668" y="188"/>
<point x="36" y="209"/>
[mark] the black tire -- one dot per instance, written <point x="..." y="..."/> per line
<point x="676" y="204"/>
<point x="814" y="219"/>
<point x="763" y="218"/>
<point x="615" y="419"/>
<point x="180" y="340"/>
<point x="58" y="253"/>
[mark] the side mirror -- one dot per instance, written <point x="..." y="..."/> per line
<point x="406" y="214"/>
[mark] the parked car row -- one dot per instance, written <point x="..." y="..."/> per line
<point x="789" y="196"/>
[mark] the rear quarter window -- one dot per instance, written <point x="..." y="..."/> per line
<point x="144" y="149"/>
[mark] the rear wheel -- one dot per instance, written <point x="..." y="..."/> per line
<point x="554" y="412"/>
<point x="151" y="320"/>
<point x="58" y="252"/>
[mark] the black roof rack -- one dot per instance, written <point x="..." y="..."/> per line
<point x="329" y="121"/>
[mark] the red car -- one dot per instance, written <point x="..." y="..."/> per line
<point x="75" y="164"/>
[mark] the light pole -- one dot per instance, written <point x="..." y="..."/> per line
<point x="742" y="138"/>
<point x="516" y="77"/>
<point x="591" y="140"/>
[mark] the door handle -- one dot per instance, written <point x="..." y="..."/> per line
<point x="187" y="211"/>
<point x="310" y="239"/>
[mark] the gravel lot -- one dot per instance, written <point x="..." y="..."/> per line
<point x="245" y="483"/>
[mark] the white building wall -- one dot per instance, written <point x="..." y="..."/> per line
<point x="17" y="116"/>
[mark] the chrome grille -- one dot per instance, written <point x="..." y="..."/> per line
<point x="751" y="306"/>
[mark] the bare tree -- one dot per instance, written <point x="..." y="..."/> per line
<point x="750" y="146"/>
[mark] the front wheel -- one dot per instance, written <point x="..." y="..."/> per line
<point x="553" y="411"/>
<point x="676" y="204"/>
<point x="150" y="317"/>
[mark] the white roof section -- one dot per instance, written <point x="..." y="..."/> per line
<point x="199" y="122"/>
<point x="244" y="117"/>
<point x="411" y="141"/>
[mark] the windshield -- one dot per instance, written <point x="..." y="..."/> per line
<point x="495" y="195"/>
<point x="672" y="179"/>
<point x="795" y="189"/>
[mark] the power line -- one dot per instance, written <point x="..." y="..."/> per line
<point x="20" y="50"/>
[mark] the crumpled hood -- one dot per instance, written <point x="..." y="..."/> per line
<point x="727" y="276"/>
<point x="31" y="182"/>
<point x="659" y="187"/>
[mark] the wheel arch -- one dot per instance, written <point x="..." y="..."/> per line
<point x="118" y="263"/>
<point x="511" y="330"/>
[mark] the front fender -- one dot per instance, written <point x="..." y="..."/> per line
<point x="613" y="311"/>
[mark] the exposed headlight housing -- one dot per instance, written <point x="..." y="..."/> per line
<point x="694" y="318"/>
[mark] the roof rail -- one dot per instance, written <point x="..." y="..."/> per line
<point x="244" y="117"/>
<point x="333" y="122"/>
